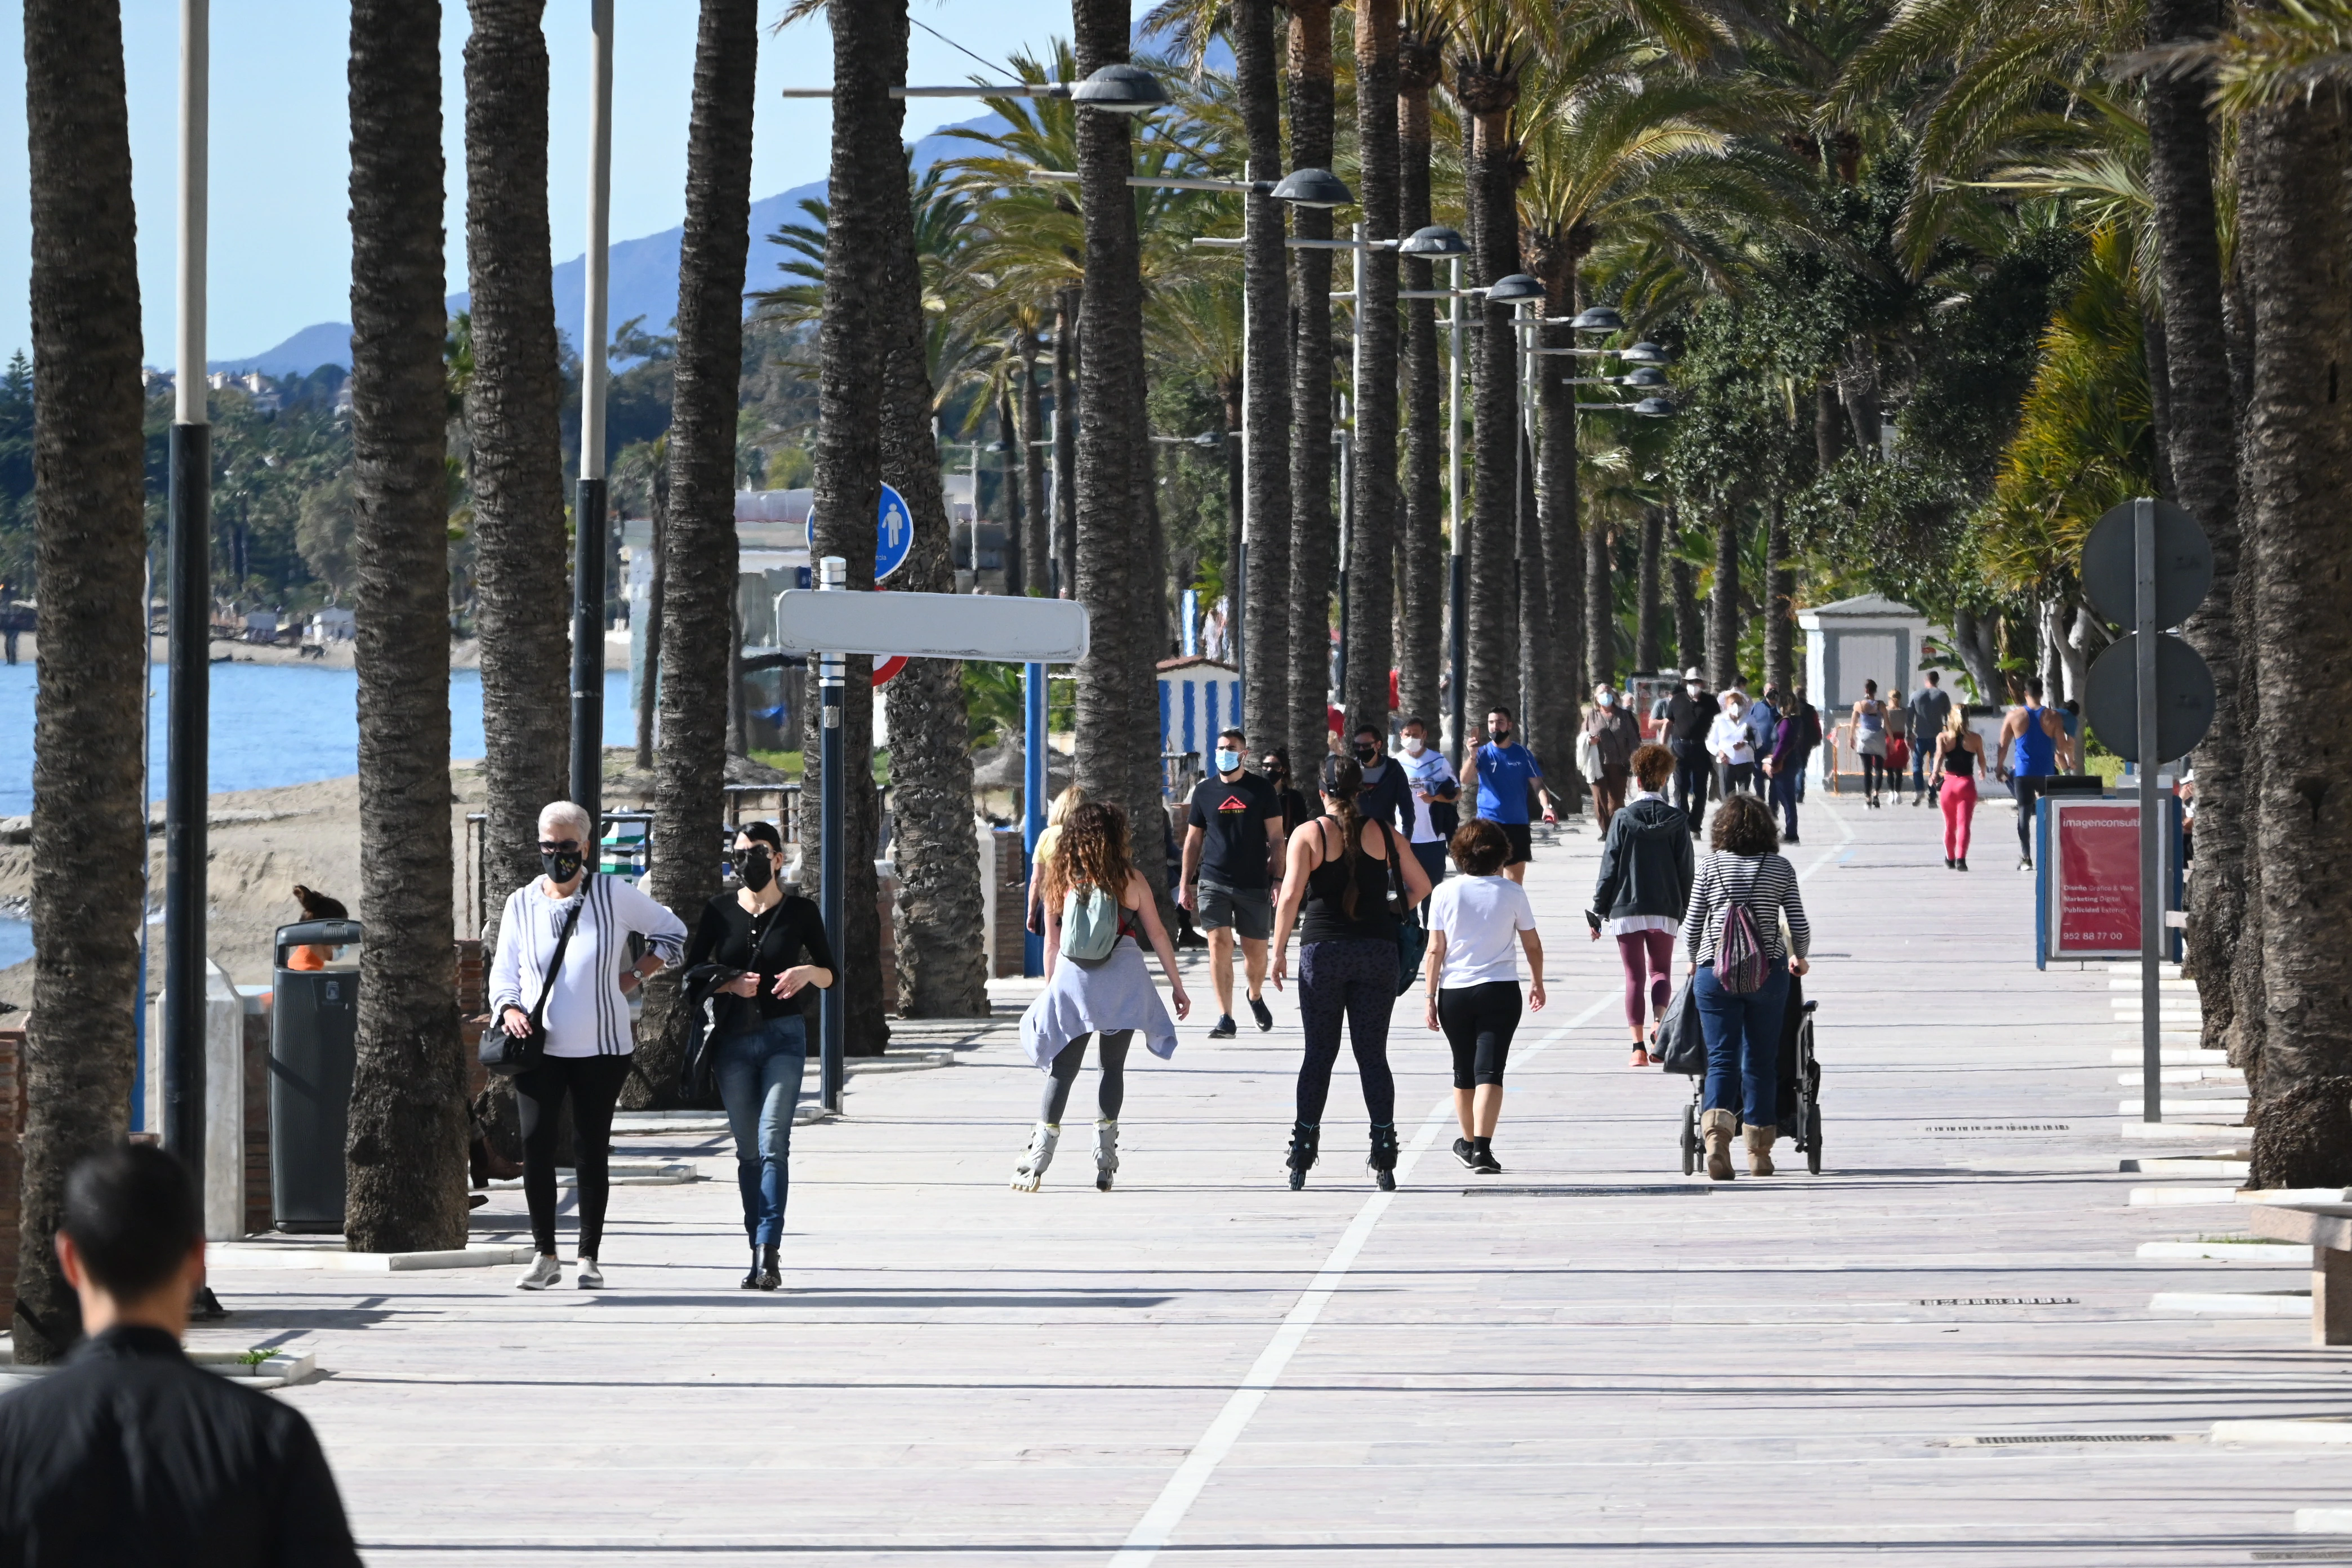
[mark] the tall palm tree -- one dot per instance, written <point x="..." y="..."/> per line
<point x="405" y="1187"/>
<point x="1028" y="412"/>
<point x="1265" y="455"/>
<point x="89" y="828"/>
<point x="1314" y="528"/>
<point x="514" y="407"/>
<point x="1371" y="551"/>
<point x="1119" y="705"/>
<point x="2297" y="457"/>
<point x="1649" y="644"/>
<point x="1779" y="598"/>
<point x="942" y="974"/>
<point x="1421" y="553"/>
<point x="1723" y="596"/>
<point x="699" y="548"/>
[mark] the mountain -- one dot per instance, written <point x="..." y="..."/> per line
<point x="643" y="275"/>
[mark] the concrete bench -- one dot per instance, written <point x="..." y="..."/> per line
<point x="2326" y="1229"/>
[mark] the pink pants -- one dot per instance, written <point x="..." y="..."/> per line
<point x="1959" y="798"/>
<point x="1652" y="951"/>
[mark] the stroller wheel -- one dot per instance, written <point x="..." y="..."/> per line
<point x="1812" y="1138"/>
<point x="1690" y="1141"/>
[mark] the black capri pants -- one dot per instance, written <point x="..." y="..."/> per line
<point x="1479" y="1020"/>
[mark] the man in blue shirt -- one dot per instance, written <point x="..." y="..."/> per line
<point x="1501" y="771"/>
<point x="1931" y="709"/>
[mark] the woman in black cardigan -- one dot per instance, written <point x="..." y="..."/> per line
<point x="1644" y="887"/>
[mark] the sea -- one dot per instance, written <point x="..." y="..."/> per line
<point x="272" y="724"/>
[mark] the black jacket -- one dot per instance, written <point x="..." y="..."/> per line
<point x="1646" y="865"/>
<point x="130" y="1453"/>
<point x="1386" y="799"/>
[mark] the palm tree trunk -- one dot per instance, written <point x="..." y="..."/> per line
<point x="1649" y="621"/>
<point x="514" y="408"/>
<point x="406" y="1185"/>
<point x="1493" y="635"/>
<point x="1019" y="508"/>
<point x="1690" y="630"/>
<point x="1371" y="548"/>
<point x="90" y="827"/>
<point x="1266" y="456"/>
<point x="2203" y="449"/>
<point x="1314" y="529"/>
<point x="942" y="972"/>
<point x="2297" y="451"/>
<point x="1557" y="641"/>
<point x="1421" y="554"/>
<point x="1723" y="600"/>
<point x="1066" y="306"/>
<point x="1036" y="526"/>
<point x="1232" y="395"/>
<point x="1532" y="592"/>
<point x="649" y="684"/>
<point x="1779" y="602"/>
<point x="698" y="543"/>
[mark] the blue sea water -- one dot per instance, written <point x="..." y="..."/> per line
<point x="272" y="724"/>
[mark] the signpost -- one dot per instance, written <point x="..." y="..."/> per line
<point x="2147" y="565"/>
<point x="828" y="624"/>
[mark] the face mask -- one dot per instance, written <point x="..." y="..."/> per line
<point x="1608" y="699"/>
<point x="1413" y="746"/>
<point x="1227" y="761"/>
<point x="1691" y="687"/>
<point x="561" y="865"/>
<point x="1501" y="737"/>
<point x="754" y="870"/>
<point x="1368" y="755"/>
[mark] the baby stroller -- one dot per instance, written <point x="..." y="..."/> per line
<point x="1800" y="1091"/>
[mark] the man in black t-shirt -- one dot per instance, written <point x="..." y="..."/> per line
<point x="1233" y="851"/>
<point x="1690" y="713"/>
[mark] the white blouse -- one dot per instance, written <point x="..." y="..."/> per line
<point x="586" y="1014"/>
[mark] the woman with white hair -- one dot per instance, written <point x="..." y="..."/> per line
<point x="563" y="959"/>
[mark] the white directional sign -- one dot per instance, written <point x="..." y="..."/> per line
<point x="1012" y="631"/>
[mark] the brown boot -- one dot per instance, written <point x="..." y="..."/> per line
<point x="1760" y="1149"/>
<point x="1715" y="1127"/>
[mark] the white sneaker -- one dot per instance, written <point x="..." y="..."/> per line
<point x="1106" y="1152"/>
<point x="591" y="1276"/>
<point x="544" y="1271"/>
<point x="1038" y="1155"/>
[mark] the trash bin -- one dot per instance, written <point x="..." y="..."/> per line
<point x="313" y="1047"/>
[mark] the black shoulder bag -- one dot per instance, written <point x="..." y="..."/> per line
<point x="510" y="1056"/>
<point x="1412" y="935"/>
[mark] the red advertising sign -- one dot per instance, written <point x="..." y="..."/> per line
<point x="2095" y="890"/>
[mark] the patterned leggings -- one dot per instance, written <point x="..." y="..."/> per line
<point x="1359" y="978"/>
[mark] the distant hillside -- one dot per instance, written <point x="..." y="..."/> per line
<point x="644" y="276"/>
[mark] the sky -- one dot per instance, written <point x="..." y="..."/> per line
<point x="280" y="241"/>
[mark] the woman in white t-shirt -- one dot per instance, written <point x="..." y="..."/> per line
<point x="1478" y="924"/>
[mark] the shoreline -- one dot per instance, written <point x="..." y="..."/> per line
<point x="463" y="655"/>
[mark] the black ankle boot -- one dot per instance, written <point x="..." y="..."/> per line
<point x="770" y="1275"/>
<point x="1303" y="1143"/>
<point x="751" y="1280"/>
<point x="1384" y="1158"/>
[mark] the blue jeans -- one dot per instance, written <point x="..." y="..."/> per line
<point x="1784" y="797"/>
<point x="1743" y="1043"/>
<point x="758" y="1071"/>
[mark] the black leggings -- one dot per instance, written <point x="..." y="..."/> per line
<point x="1353" y="980"/>
<point x="594" y="1084"/>
<point x="1112" y="1051"/>
<point x="1479" y="1020"/>
<point x="1875" y="774"/>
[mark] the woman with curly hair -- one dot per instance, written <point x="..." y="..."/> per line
<point x="1742" y="1024"/>
<point x="1090" y="879"/>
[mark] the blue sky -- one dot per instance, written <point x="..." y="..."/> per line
<point x="280" y="250"/>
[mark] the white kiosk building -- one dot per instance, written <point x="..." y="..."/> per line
<point x="1870" y="637"/>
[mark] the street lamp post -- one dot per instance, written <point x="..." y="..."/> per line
<point x="1434" y="241"/>
<point x="590" y="541"/>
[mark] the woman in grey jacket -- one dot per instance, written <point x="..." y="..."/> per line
<point x="1644" y="887"/>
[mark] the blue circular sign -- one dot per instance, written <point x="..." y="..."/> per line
<point x="894" y="533"/>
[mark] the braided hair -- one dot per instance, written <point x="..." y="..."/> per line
<point x="1346" y="781"/>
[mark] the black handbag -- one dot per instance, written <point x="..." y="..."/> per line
<point x="511" y="1056"/>
<point x="1411" y="937"/>
<point x="691" y="1031"/>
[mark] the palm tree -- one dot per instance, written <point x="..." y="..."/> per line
<point x="942" y="974"/>
<point x="1037" y="523"/>
<point x="1119" y="705"/>
<point x="1266" y="456"/>
<point x="1779" y="599"/>
<point x="698" y="548"/>
<point x="1371" y="551"/>
<point x="89" y="829"/>
<point x="1314" y="529"/>
<point x="405" y="1186"/>
<point x="514" y="407"/>
<point x="1421" y="553"/>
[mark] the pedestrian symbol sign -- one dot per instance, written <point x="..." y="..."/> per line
<point x="894" y="537"/>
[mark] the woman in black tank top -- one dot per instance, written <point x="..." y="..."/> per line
<point x="1959" y="757"/>
<point x="1337" y="872"/>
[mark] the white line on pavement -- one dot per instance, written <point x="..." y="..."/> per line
<point x="1826" y="855"/>
<point x="1158" y="1525"/>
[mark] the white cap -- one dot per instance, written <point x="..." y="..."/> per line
<point x="1693" y="674"/>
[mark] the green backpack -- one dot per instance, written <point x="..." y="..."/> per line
<point x="1089" y="924"/>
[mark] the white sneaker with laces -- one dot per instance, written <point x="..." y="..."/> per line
<point x="591" y="1276"/>
<point x="543" y="1271"/>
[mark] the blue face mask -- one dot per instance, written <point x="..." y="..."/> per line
<point x="1227" y="761"/>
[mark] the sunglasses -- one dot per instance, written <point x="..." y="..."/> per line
<point x="558" y="847"/>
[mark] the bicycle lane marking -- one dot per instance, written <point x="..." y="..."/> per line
<point x="1159" y="1523"/>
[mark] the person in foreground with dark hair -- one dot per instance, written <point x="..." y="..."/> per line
<point x="1740" y="994"/>
<point x="129" y="1452"/>
<point x="1479" y="923"/>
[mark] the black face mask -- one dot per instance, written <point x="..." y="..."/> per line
<point x="1368" y="755"/>
<point x="561" y="865"/>
<point x="1500" y="736"/>
<point x="753" y="869"/>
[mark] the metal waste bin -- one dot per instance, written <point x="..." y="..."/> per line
<point x="314" y="1046"/>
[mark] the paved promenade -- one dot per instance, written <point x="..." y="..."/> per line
<point x="1590" y="1358"/>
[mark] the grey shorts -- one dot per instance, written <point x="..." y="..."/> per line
<point x="1249" y="910"/>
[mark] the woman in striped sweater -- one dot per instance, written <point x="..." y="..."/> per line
<point x="1743" y="1028"/>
